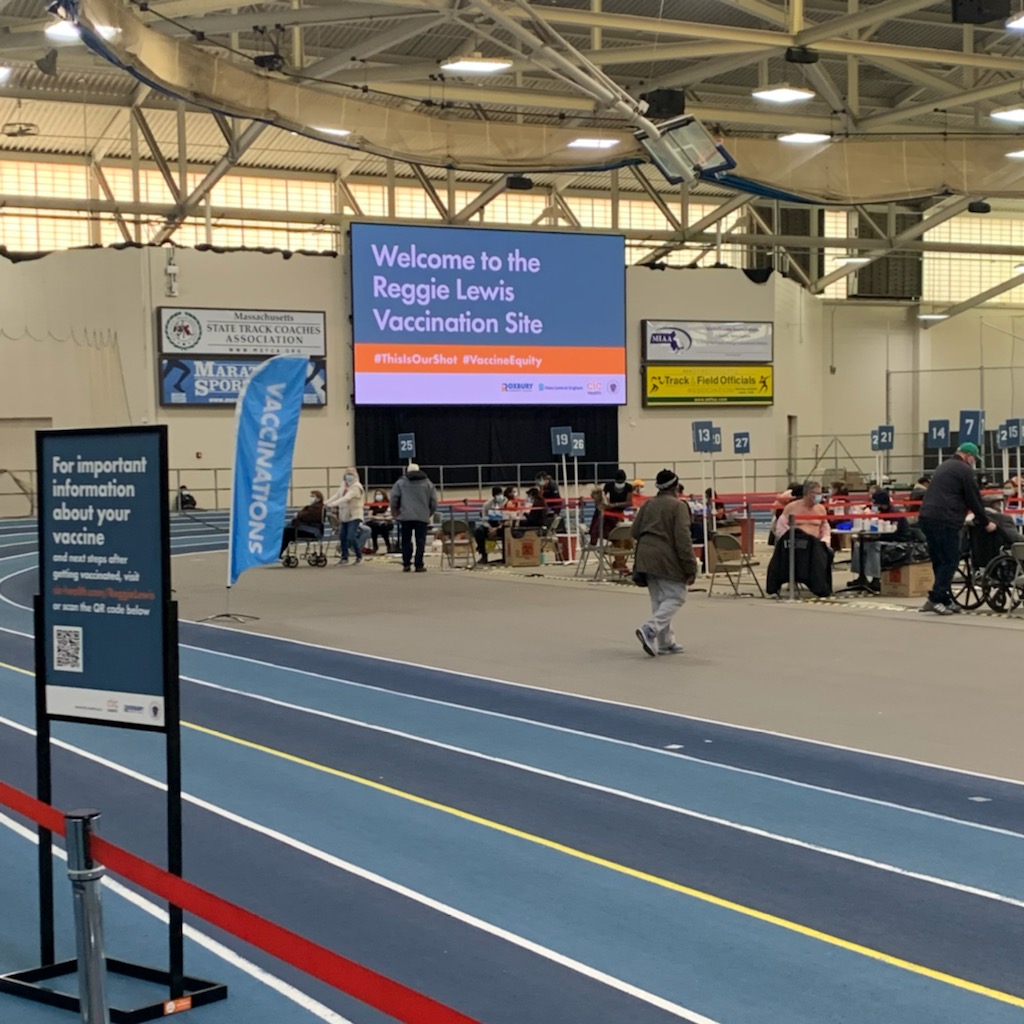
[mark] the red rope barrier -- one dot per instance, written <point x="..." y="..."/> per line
<point x="376" y="990"/>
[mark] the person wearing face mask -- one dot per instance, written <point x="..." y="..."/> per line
<point x="808" y="504"/>
<point x="952" y="493"/>
<point x="349" y="499"/>
<point x="618" y="496"/>
<point x="380" y="522"/>
<point x="1006" y="526"/>
<point x="308" y="522"/>
<point x="812" y="561"/>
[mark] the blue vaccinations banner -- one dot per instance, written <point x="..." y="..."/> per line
<point x="185" y="380"/>
<point x="104" y="573"/>
<point x="267" y="421"/>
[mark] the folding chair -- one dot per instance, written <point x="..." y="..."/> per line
<point x="456" y="538"/>
<point x="550" y="537"/>
<point x="586" y="549"/>
<point x="733" y="561"/>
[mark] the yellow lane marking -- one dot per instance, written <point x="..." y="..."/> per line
<point x="621" y="869"/>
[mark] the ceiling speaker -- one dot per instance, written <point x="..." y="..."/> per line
<point x="980" y="12"/>
<point x="664" y="103"/>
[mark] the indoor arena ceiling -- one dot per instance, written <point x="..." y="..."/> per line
<point x="887" y="71"/>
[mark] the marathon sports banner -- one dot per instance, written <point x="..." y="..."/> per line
<point x="267" y="421"/>
<point x="240" y="332"/>
<point x="187" y="381"/>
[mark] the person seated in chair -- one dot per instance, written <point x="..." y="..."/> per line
<point x="308" y="522"/>
<point x="492" y="518"/>
<point x="1006" y="527"/>
<point x="537" y="517"/>
<point x="184" y="501"/>
<point x="550" y="493"/>
<point x="867" y="555"/>
<point x="813" y="555"/>
<point x="378" y="519"/>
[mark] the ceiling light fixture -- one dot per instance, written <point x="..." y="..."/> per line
<point x="853" y="261"/>
<point x="783" y="94"/>
<point x="1016" y="21"/>
<point x="1012" y="115"/>
<point x="1017" y="154"/>
<point x="1019" y="269"/>
<point x="338" y="132"/>
<point x="69" y="32"/>
<point x="5" y="73"/>
<point x="476" y="64"/>
<point x="932" y="316"/>
<point x="593" y="143"/>
<point x="804" y="137"/>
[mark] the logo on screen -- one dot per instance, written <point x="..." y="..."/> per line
<point x="593" y="387"/>
<point x="514" y="386"/>
<point x="183" y="331"/>
<point x="677" y="340"/>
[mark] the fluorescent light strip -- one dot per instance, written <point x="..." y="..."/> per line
<point x="804" y="138"/>
<point x="783" y="94"/>
<point x="593" y="143"/>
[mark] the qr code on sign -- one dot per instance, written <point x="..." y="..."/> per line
<point x="67" y="648"/>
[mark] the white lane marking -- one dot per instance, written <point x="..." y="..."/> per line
<point x="691" y="1016"/>
<point x="600" y="700"/>
<point x="733" y="726"/>
<point x="675" y="755"/>
<point x="635" y="797"/>
<point x="307" y="1003"/>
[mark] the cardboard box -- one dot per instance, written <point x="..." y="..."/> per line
<point x="914" y="580"/>
<point x="523" y="550"/>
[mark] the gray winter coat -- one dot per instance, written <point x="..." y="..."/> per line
<point x="413" y="498"/>
<point x="661" y="533"/>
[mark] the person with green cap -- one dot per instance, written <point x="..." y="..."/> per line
<point x="952" y="493"/>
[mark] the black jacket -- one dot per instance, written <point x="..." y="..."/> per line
<point x="813" y="565"/>
<point x="953" y="493"/>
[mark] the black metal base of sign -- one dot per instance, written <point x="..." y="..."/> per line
<point x="196" y="991"/>
<point x="230" y="617"/>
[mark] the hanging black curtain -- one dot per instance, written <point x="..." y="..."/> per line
<point x="499" y="436"/>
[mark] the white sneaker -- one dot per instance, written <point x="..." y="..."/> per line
<point x="673" y="649"/>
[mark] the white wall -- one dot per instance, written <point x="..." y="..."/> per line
<point x="655" y="436"/>
<point x="79" y="344"/>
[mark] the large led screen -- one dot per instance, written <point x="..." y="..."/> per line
<point x="470" y="316"/>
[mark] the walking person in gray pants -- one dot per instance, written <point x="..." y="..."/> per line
<point x="664" y="553"/>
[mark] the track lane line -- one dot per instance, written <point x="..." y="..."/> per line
<point x="218" y="949"/>
<point x="687" y="812"/>
<point x="625" y="987"/>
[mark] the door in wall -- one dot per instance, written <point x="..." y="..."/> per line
<point x="18" y="465"/>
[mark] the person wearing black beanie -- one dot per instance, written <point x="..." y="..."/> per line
<point x="664" y="557"/>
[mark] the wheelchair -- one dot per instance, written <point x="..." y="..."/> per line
<point x="1003" y="582"/>
<point x="314" y="540"/>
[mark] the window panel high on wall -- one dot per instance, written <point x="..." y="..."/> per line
<point x="951" y="277"/>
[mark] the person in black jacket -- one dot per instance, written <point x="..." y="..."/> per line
<point x="952" y="493"/>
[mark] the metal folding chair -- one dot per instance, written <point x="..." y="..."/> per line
<point x="733" y="562"/>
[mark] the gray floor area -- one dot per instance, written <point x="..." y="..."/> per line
<point x="871" y="674"/>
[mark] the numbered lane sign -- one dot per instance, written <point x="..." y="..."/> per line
<point x="406" y="446"/>
<point x="1003" y="436"/>
<point x="972" y="424"/>
<point x="874" y="440"/>
<point x="886" y="437"/>
<point x="561" y="440"/>
<point x="702" y="431"/>
<point x="578" y="443"/>
<point x="741" y="443"/>
<point x="1013" y="429"/>
<point x="938" y="434"/>
<point x="716" y="439"/>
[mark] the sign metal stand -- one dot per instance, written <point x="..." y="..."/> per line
<point x="78" y="664"/>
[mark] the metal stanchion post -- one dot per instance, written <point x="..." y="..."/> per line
<point x="792" y="559"/>
<point x="85" y="878"/>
